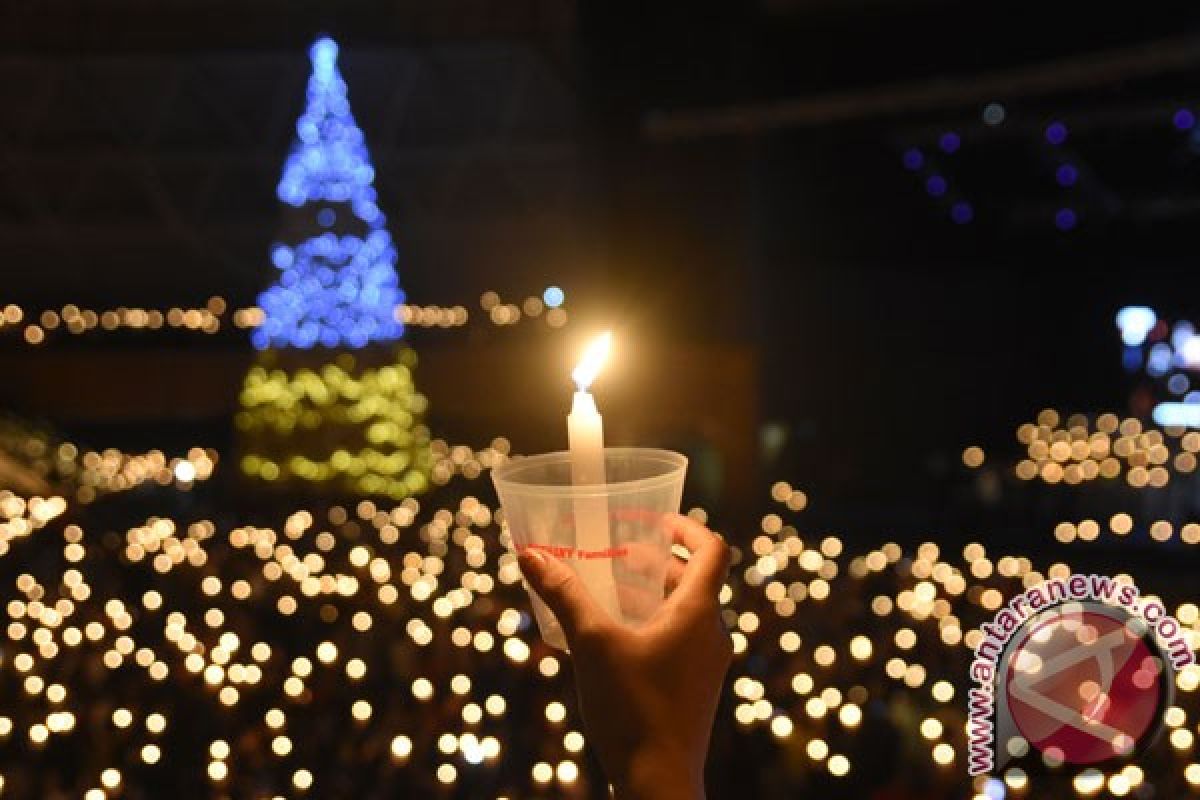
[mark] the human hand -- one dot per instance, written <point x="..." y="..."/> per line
<point x="648" y="694"/>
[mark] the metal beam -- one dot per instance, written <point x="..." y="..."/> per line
<point x="1072" y="73"/>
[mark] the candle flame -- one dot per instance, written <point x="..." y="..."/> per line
<point x="593" y="358"/>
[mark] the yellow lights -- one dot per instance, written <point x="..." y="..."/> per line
<point x="942" y="691"/>
<point x="860" y="648"/>
<point x="1072" y="452"/>
<point x="377" y="407"/>
<point x="931" y="728"/>
<point x="326" y="653"/>
<point x="516" y="650"/>
<point x="815" y="707"/>
<point x="556" y="712"/>
<point x="794" y="499"/>
<point x="302" y="779"/>
<point x="567" y="772"/>
<point x="547" y="666"/>
<point x="824" y="655"/>
<point x="401" y="747"/>
<point x="973" y="457"/>
<point x="542" y="773"/>
<point x="215" y="316"/>
<point x="501" y="313"/>
<point x="838" y="765"/>
<point x="943" y="754"/>
<point x="89" y="474"/>
<point x="422" y="689"/>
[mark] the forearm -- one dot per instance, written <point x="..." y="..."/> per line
<point x="658" y="776"/>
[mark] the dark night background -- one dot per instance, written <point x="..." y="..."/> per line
<point x="744" y="192"/>
<point x="140" y="158"/>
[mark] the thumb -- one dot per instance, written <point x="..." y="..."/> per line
<point x="560" y="588"/>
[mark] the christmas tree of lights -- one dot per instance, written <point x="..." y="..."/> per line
<point x="331" y="399"/>
<point x="339" y="284"/>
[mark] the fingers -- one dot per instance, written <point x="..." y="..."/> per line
<point x="708" y="565"/>
<point x="562" y="590"/>
<point x="675" y="570"/>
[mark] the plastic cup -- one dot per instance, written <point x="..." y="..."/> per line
<point x="626" y="572"/>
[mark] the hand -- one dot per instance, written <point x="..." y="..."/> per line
<point x="648" y="694"/>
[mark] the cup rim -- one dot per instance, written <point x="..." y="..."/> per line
<point x="676" y="465"/>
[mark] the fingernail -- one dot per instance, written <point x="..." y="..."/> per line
<point x="531" y="560"/>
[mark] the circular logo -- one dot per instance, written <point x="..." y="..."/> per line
<point x="1085" y="684"/>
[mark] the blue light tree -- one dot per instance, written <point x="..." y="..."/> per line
<point x="331" y="401"/>
<point x="338" y="286"/>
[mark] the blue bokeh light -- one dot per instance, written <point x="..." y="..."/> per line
<point x="1065" y="219"/>
<point x="1158" y="363"/>
<point x="1135" y="323"/>
<point x="1182" y="414"/>
<point x="913" y="159"/>
<point x="1066" y="175"/>
<point x="553" y="297"/>
<point x="962" y="212"/>
<point x="1056" y="133"/>
<point x="1184" y="120"/>
<point x="1131" y="359"/>
<point x="336" y="288"/>
<point x="936" y="185"/>
<point x="949" y="142"/>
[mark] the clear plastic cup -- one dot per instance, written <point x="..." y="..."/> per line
<point x="611" y="534"/>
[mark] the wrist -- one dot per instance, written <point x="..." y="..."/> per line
<point x="659" y="775"/>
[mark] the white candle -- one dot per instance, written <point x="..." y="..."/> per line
<point x="585" y="436"/>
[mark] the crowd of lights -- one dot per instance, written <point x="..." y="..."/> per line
<point x="399" y="637"/>
<point x="40" y="327"/>
<point x="388" y="645"/>
<point x="87" y="474"/>
<point x="1083" y="448"/>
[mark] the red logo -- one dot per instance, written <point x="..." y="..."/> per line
<point x="1085" y="684"/>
